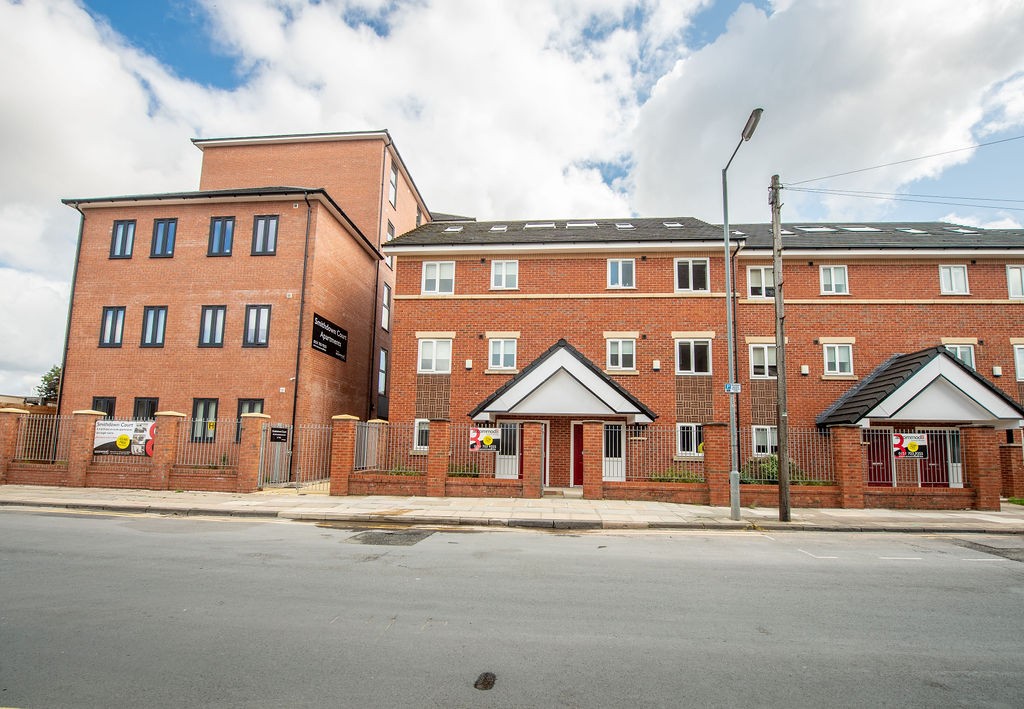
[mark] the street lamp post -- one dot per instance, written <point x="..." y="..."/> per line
<point x="732" y="386"/>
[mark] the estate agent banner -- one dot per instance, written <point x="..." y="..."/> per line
<point x="115" y="437"/>
<point x="329" y="338"/>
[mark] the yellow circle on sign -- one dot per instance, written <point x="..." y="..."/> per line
<point x="123" y="441"/>
<point x="488" y="440"/>
<point x="912" y="446"/>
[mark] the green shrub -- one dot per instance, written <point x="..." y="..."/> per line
<point x="464" y="471"/>
<point x="400" y="469"/>
<point x="676" y="476"/>
<point x="764" y="470"/>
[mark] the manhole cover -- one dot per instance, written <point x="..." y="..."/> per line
<point x="390" y="537"/>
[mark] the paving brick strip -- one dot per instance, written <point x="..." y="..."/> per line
<point x="545" y="513"/>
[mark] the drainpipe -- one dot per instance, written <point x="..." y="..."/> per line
<point x="736" y="333"/>
<point x="302" y="314"/>
<point x="71" y="306"/>
<point x="372" y="370"/>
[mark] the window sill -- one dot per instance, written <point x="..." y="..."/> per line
<point x="836" y="294"/>
<point x="626" y="372"/>
<point x="419" y="451"/>
<point x="840" y="377"/>
<point x="620" y="288"/>
<point x="693" y="374"/>
<point x="505" y="289"/>
<point x="955" y="293"/>
<point x="501" y="371"/>
<point x="689" y="456"/>
<point x="419" y="371"/>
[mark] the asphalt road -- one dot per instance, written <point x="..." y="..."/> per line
<point x="144" y="611"/>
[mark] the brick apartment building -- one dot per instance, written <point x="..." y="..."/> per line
<point x="624" y="322"/>
<point x="209" y="302"/>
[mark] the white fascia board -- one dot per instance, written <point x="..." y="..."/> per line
<point x="882" y="253"/>
<point x="155" y="200"/>
<point x="301" y="138"/>
<point x="477" y="249"/>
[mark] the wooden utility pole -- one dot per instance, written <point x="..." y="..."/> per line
<point x="781" y="409"/>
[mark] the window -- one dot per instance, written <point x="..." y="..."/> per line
<point x="838" y="359"/>
<point x="112" y="326"/>
<point x="761" y="282"/>
<point x="766" y="441"/>
<point x="689" y="439"/>
<point x="504" y="274"/>
<point x="435" y="356"/>
<point x="833" y="280"/>
<point x="439" y="277"/>
<point x="620" y="354"/>
<point x="503" y="354"/>
<point x="257" y="326"/>
<point x="964" y="353"/>
<point x="953" y="280"/>
<point x="246" y="406"/>
<point x="762" y="362"/>
<point x="620" y="273"/>
<point x="163" y="238"/>
<point x="122" y="239"/>
<point x="693" y="356"/>
<point x="393" y="185"/>
<point x="419" y="215"/>
<point x="692" y="274"/>
<point x="1015" y="281"/>
<point x="421" y="436"/>
<point x="382" y="373"/>
<point x="204" y="420"/>
<point x="211" y="326"/>
<point x="145" y="408"/>
<point x="1018" y="359"/>
<point x="222" y="235"/>
<point x="389" y="259"/>
<point x="154" y="321"/>
<point x="385" y="308"/>
<point x="264" y="235"/>
<point x="105" y="404"/>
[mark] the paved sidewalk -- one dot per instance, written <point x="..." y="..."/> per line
<point x="549" y="512"/>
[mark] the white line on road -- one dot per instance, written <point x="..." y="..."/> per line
<point x="815" y="556"/>
<point x="900" y="558"/>
<point x="985" y="559"/>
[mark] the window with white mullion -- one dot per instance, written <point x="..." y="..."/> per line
<point x="438" y="278"/>
<point x="762" y="362"/>
<point x="839" y="359"/>
<point x="693" y="356"/>
<point x="689" y="439"/>
<point x="1018" y="359"/>
<point x="502" y="354"/>
<point x="621" y="354"/>
<point x="504" y="275"/>
<point x="621" y="273"/>
<point x="766" y="441"/>
<point x="833" y="280"/>
<point x="1015" y="281"/>
<point x="964" y="353"/>
<point x="692" y="275"/>
<point x="953" y="280"/>
<point x="435" y="356"/>
<point x="761" y="282"/>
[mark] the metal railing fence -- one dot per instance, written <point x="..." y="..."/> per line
<point x="311" y="456"/>
<point x="208" y="443"/>
<point x="810" y="456"/>
<point x="43" y="438"/>
<point x="652" y="456"/>
<point x="915" y="457"/>
<point x="390" y="449"/>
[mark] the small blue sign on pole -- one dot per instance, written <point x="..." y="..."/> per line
<point x="732" y="387"/>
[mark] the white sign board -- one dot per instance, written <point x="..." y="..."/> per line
<point x="114" y="437"/>
<point x="484" y="439"/>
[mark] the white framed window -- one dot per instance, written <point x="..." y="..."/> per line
<point x="762" y="362"/>
<point x="502" y="354"/>
<point x="1018" y="360"/>
<point x="435" y="357"/>
<point x="692" y="275"/>
<point x="438" y="277"/>
<point x="760" y="282"/>
<point x="953" y="280"/>
<point x="389" y="259"/>
<point x="621" y="273"/>
<point x="833" y="280"/>
<point x="766" y="441"/>
<point x="504" y="275"/>
<point x="839" y="359"/>
<point x="385" y="308"/>
<point x="1015" y="281"/>
<point x="421" y="435"/>
<point x="621" y="354"/>
<point x="689" y="439"/>
<point x="964" y="353"/>
<point x="393" y="185"/>
<point x="693" y="356"/>
<point x="382" y="373"/>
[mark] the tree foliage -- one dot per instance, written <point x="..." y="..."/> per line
<point x="47" y="389"/>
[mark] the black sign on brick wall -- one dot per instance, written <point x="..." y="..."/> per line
<point x="329" y="338"/>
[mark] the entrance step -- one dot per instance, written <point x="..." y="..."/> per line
<point x="564" y="492"/>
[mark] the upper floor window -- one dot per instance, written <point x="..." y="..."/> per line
<point x="106" y="404"/>
<point x="393" y="185"/>
<point x="692" y="274"/>
<point x="689" y="439"/>
<point x="621" y="354"/>
<point x="222" y="235"/>
<point x="762" y="362"/>
<point x="964" y="353"/>
<point x="693" y="356"/>
<point x="382" y="373"/>
<point x="839" y="359"/>
<point x="264" y="235"/>
<point x="122" y="239"/>
<point x="953" y="279"/>
<point x="163" y="238"/>
<point x="1018" y="359"/>
<point x="112" y="326"/>
<point x="435" y="356"/>
<point x="502" y="354"/>
<point x="389" y="259"/>
<point x="833" y="280"/>
<point x="419" y="215"/>
<point x="257" y="326"/>
<point x="154" y="320"/>
<point x="439" y="277"/>
<point x="761" y="282"/>
<point x="211" y="326"/>
<point x="1015" y="281"/>
<point x="504" y="275"/>
<point x="385" y="308"/>
<point x="145" y="408"/>
<point x="766" y="440"/>
<point x="620" y="273"/>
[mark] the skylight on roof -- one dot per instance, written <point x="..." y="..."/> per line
<point x="673" y="225"/>
<point x="579" y="225"/>
<point x="858" y="228"/>
<point x="454" y="228"/>
<point x="908" y="230"/>
<point x="499" y="227"/>
<point x="787" y="232"/>
<point x="624" y="225"/>
<point x="815" y="229"/>
<point x="960" y="230"/>
<point x="540" y="225"/>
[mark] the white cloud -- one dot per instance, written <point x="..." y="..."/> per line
<point x="1004" y="221"/>
<point x="36" y="310"/>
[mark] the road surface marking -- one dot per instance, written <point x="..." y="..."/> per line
<point x="900" y="558"/>
<point x="815" y="556"/>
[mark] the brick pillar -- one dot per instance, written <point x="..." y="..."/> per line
<point x="532" y="450"/>
<point x="980" y="458"/>
<point x="83" y="430"/>
<point x="438" y="453"/>
<point x="1011" y="464"/>
<point x="10" y="419"/>
<point x="716" y="463"/>
<point x="849" y="462"/>
<point x="247" y="472"/>
<point x="166" y="436"/>
<point x="593" y="460"/>
<point x="343" y="452"/>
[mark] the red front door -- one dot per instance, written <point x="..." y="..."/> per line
<point x="577" y="454"/>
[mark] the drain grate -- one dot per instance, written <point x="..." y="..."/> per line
<point x="390" y="537"/>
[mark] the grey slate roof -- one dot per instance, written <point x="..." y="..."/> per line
<point x="879" y="235"/>
<point x="889" y="376"/>
<point x="446" y="217"/>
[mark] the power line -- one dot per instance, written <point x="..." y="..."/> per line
<point x="891" y="198"/>
<point x="903" y="162"/>
<point x="823" y="190"/>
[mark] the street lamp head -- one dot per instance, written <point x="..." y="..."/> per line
<point x="748" y="130"/>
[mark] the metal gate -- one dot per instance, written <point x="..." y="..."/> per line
<point x="298" y="456"/>
<point x="275" y="455"/>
